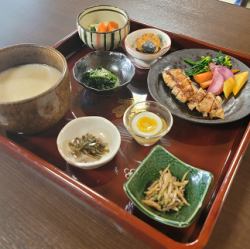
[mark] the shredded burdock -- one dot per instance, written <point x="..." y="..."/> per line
<point x="87" y="145"/>
<point x="167" y="192"/>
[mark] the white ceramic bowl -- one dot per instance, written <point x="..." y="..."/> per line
<point x="96" y="126"/>
<point x="103" y="40"/>
<point x="144" y="60"/>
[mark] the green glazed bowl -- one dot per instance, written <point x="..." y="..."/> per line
<point x="148" y="171"/>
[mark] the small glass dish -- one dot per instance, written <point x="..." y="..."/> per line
<point x="147" y="122"/>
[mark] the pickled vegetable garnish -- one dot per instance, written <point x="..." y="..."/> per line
<point x="87" y="145"/>
<point x="167" y="192"/>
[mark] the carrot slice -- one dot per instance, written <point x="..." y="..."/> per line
<point x="205" y="84"/>
<point x="102" y="27"/>
<point x="112" y="26"/>
<point x="202" y="77"/>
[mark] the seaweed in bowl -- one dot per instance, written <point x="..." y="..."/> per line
<point x="100" y="78"/>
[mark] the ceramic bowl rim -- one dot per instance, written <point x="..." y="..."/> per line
<point x="151" y="214"/>
<point x="103" y="52"/>
<point x="107" y="6"/>
<point x="54" y="86"/>
<point x="94" y="164"/>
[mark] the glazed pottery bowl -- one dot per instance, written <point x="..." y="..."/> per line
<point x="148" y="171"/>
<point x="39" y="112"/>
<point x="103" y="40"/>
<point x="144" y="60"/>
<point x="115" y="62"/>
<point x="94" y="125"/>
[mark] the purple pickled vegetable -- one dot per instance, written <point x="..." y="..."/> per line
<point x="216" y="86"/>
<point x="224" y="71"/>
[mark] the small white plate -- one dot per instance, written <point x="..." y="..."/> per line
<point x="97" y="126"/>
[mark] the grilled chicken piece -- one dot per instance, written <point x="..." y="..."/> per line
<point x="168" y="80"/>
<point x="197" y="98"/>
<point x="217" y="111"/>
<point x="184" y="84"/>
<point x="205" y="105"/>
<point x="182" y="80"/>
<point x="181" y="96"/>
<point x="175" y="90"/>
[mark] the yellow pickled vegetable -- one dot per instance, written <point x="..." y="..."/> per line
<point x="240" y="80"/>
<point x="228" y="86"/>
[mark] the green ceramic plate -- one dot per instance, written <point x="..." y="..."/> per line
<point x="148" y="171"/>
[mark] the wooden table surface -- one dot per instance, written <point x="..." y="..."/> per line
<point x="36" y="213"/>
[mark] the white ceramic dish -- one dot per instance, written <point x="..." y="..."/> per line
<point x="97" y="126"/>
<point x="144" y="60"/>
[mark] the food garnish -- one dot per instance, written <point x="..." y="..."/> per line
<point x="100" y="78"/>
<point x="222" y="59"/>
<point x="228" y="86"/>
<point x="234" y="71"/>
<point x="112" y="26"/>
<point x="87" y="145"/>
<point x="148" y="43"/>
<point x="216" y="86"/>
<point x="103" y="27"/>
<point x="205" y="84"/>
<point x="202" y="65"/>
<point x="240" y="81"/>
<point x="203" y="77"/>
<point x="199" y="66"/>
<point x="196" y="98"/>
<point x="167" y="192"/>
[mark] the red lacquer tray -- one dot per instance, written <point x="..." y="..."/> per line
<point x="217" y="148"/>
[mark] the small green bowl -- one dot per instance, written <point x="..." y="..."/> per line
<point x="148" y="171"/>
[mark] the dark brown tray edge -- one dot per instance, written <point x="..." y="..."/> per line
<point x="216" y="208"/>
